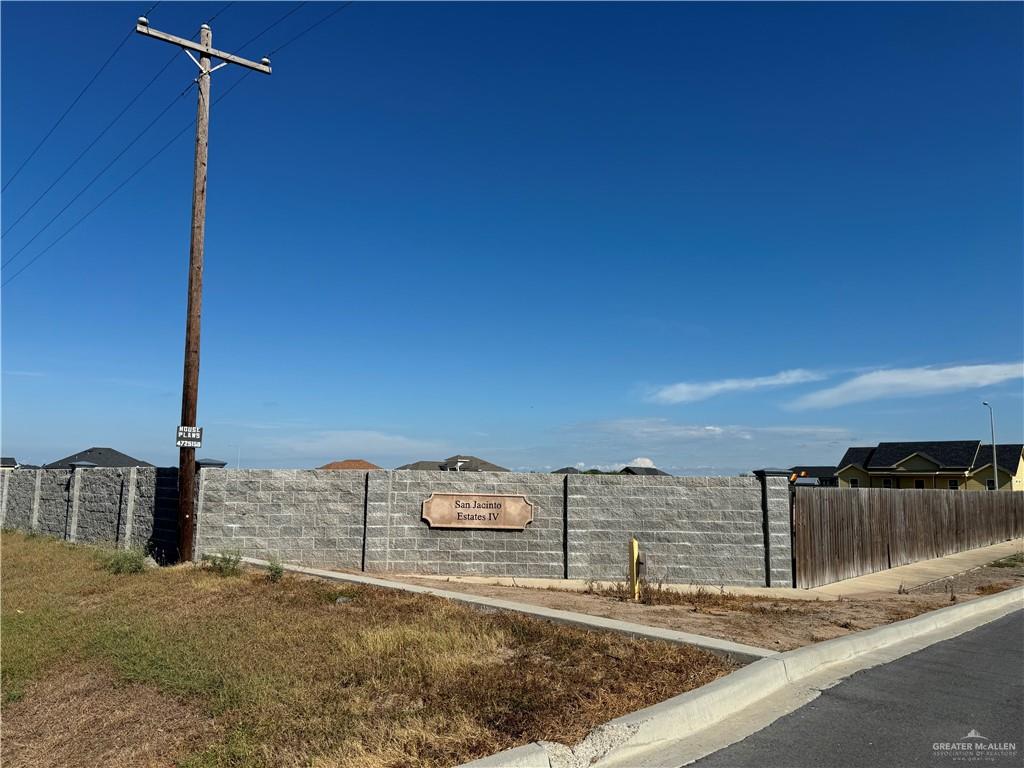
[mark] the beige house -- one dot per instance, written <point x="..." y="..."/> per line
<point x="946" y="464"/>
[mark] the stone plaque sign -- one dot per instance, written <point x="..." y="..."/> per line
<point x="477" y="510"/>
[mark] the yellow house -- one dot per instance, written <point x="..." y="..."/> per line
<point x="944" y="464"/>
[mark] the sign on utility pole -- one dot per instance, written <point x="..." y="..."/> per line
<point x="189" y="437"/>
<point x="190" y="386"/>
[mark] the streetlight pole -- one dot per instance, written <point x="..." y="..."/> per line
<point x="995" y="466"/>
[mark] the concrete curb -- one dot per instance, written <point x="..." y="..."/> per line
<point x="531" y="755"/>
<point x="626" y="739"/>
<point x="734" y="651"/>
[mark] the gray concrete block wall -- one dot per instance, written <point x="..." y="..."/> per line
<point x="398" y="540"/>
<point x="691" y="529"/>
<point x="304" y="516"/>
<point x="780" y="544"/>
<point x="21" y="490"/>
<point x="155" y="515"/>
<point x="54" y="516"/>
<point x="104" y="499"/>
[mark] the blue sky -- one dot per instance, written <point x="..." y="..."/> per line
<point x="713" y="236"/>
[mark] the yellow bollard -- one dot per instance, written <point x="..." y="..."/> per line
<point x="634" y="568"/>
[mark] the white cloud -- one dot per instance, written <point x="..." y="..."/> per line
<point x="641" y="461"/>
<point x="906" y="382"/>
<point x="689" y="391"/>
<point x="661" y="431"/>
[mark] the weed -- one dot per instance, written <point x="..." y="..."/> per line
<point x="275" y="571"/>
<point x="224" y="563"/>
<point x="1013" y="561"/>
<point x="124" y="561"/>
<point x="902" y="590"/>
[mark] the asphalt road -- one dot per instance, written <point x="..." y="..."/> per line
<point x="894" y="714"/>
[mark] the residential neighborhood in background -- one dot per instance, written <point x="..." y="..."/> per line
<point x="945" y="464"/>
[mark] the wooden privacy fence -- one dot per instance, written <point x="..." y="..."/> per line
<point x="839" y="533"/>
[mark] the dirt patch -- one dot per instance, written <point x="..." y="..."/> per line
<point x="992" y="578"/>
<point x="777" y="624"/>
<point x="82" y="717"/>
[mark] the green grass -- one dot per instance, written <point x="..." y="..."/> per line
<point x="224" y="563"/>
<point x="123" y="561"/>
<point x="288" y="677"/>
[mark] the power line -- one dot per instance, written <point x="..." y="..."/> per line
<point x="92" y="210"/>
<point x="71" y="106"/>
<point x="159" y="152"/>
<point x="261" y="34"/>
<point x="91" y="144"/>
<point x="95" y="178"/>
<point x="337" y="10"/>
<point x="116" y="189"/>
<point x="106" y="128"/>
<point x="218" y="13"/>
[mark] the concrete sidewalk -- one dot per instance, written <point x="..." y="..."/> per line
<point x="882" y="582"/>
<point x="579" y="585"/>
<point x="918" y="574"/>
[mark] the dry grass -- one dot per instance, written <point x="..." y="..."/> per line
<point x="700" y="600"/>
<point x="81" y="717"/>
<point x="251" y="672"/>
<point x="991" y="589"/>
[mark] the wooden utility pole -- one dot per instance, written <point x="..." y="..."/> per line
<point x="190" y="383"/>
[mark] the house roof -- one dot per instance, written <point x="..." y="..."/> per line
<point x="857" y="456"/>
<point x="642" y="471"/>
<point x="948" y="454"/>
<point x="350" y="464"/>
<point x="8" y="461"/>
<point x="101" y="457"/>
<point x="566" y="471"/>
<point x="1007" y="454"/>
<point x="458" y="463"/>
<point x="811" y="471"/>
<point x="435" y="465"/>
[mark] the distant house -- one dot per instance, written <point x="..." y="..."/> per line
<point x="8" y="462"/>
<point x="642" y="471"/>
<point x="101" y="457"/>
<point x="456" y="464"/>
<point x="813" y="475"/>
<point x="945" y="464"/>
<point x="358" y="464"/>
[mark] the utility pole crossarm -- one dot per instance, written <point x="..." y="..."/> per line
<point x="145" y="29"/>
